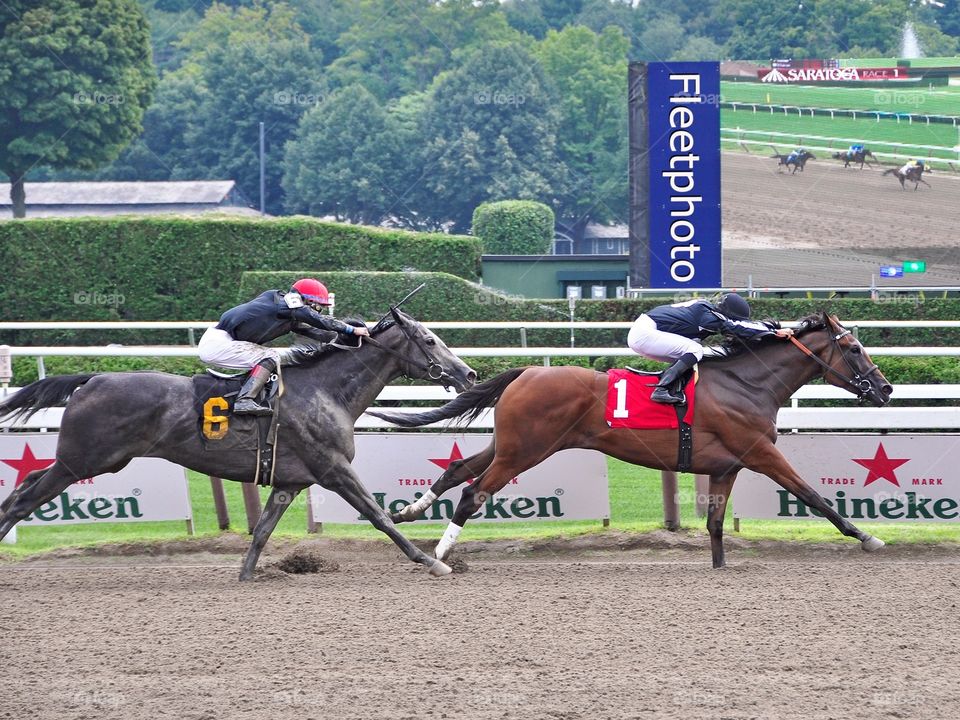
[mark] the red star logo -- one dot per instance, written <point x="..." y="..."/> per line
<point x="880" y="466"/>
<point x="444" y="463"/>
<point x="27" y="464"/>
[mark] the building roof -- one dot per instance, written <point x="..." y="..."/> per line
<point x="738" y="68"/>
<point x="596" y="230"/>
<point x="207" y="192"/>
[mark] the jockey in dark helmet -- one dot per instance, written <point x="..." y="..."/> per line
<point x="673" y="332"/>
<point x="237" y="340"/>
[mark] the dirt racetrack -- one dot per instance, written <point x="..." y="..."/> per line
<point x="829" y="206"/>
<point x="568" y="631"/>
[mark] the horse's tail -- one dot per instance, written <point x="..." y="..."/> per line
<point x="465" y="407"/>
<point x="51" y="392"/>
<point x="890" y="171"/>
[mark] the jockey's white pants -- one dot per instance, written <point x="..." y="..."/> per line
<point x="645" y="339"/>
<point x="217" y="347"/>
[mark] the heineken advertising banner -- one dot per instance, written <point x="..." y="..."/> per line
<point x="684" y="141"/>
<point x="398" y="468"/>
<point x="882" y="478"/>
<point x="146" y="489"/>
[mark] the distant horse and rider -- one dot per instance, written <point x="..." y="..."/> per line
<point x="855" y="154"/>
<point x="543" y="410"/>
<point x="111" y="418"/>
<point x="912" y="171"/>
<point x="796" y="158"/>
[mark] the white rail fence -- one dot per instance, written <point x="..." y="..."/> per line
<point x="836" y="144"/>
<point x="794" y="417"/>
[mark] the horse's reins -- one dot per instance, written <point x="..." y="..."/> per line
<point x="431" y="366"/>
<point x="433" y="369"/>
<point x="858" y="382"/>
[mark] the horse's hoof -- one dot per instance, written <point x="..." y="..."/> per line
<point x="872" y="544"/>
<point x="439" y="569"/>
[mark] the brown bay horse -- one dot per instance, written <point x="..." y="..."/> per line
<point x="542" y="410"/>
<point x="913" y="174"/>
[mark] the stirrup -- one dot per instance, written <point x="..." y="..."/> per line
<point x="248" y="406"/>
<point x="663" y="396"/>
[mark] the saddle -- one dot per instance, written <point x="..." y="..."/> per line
<point x="214" y="394"/>
<point x="629" y="406"/>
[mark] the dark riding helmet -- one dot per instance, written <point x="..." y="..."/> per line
<point x="734" y="306"/>
<point x="920" y="163"/>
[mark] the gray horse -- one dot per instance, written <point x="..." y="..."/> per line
<point x="115" y="417"/>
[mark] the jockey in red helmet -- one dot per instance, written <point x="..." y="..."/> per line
<point x="237" y="341"/>
<point x="673" y="332"/>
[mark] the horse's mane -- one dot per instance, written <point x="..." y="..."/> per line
<point x="302" y="354"/>
<point x="733" y="347"/>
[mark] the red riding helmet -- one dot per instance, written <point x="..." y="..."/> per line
<point x="312" y="290"/>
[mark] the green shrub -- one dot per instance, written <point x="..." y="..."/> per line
<point x="514" y="227"/>
<point x="368" y="295"/>
<point x="187" y="268"/>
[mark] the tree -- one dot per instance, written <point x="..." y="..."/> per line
<point x="698" y="47"/>
<point x="336" y="162"/>
<point x="760" y="30"/>
<point x="77" y="77"/>
<point x="395" y="48"/>
<point x="485" y="120"/>
<point x="243" y="66"/>
<point x="589" y="72"/>
<point x="935" y="43"/>
<point x="660" y="39"/>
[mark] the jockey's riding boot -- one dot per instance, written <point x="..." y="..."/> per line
<point x="247" y="399"/>
<point x="668" y="390"/>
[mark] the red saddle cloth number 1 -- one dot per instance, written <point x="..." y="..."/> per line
<point x="629" y="404"/>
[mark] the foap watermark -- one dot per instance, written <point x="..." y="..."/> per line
<point x="902" y="98"/>
<point x="898" y="298"/>
<point x="297" y="698"/>
<point x="297" y="98"/>
<point x="95" y="297"/>
<point x="704" y="499"/>
<point x="491" y="697"/>
<point x="496" y="298"/>
<point x="896" y="697"/>
<point x="498" y="97"/>
<point x="699" y="697"/>
<point x="92" y="698"/>
<point x="701" y="99"/>
<point x="96" y="97"/>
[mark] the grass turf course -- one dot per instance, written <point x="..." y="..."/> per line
<point x="870" y="132"/>
<point x="942" y="100"/>
<point x="635" y="503"/>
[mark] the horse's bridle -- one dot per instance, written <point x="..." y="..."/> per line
<point x="433" y="369"/>
<point x="859" y="383"/>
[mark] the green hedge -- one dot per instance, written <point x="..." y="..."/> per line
<point x="187" y="268"/>
<point x="514" y="227"/>
<point x="446" y="297"/>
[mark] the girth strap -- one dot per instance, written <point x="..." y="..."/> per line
<point x="685" y="451"/>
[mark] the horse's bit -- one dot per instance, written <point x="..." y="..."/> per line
<point x="858" y="382"/>
<point x="433" y="368"/>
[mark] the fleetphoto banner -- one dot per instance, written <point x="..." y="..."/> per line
<point x="684" y="142"/>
